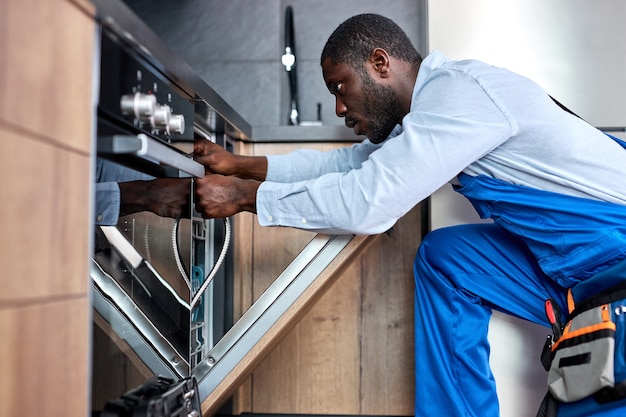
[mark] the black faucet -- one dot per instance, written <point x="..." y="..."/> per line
<point x="289" y="61"/>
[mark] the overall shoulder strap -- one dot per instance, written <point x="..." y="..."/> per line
<point x="562" y="106"/>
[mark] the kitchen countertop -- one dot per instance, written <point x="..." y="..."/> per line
<point x="314" y="133"/>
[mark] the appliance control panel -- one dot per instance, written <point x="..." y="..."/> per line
<point x="136" y="95"/>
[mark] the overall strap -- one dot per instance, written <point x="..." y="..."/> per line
<point x="562" y="106"/>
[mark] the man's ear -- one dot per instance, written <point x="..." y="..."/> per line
<point x="379" y="59"/>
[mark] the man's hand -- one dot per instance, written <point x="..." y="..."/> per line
<point x="217" y="160"/>
<point x="219" y="196"/>
<point x="166" y="197"/>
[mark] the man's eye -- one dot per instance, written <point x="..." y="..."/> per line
<point x="337" y="88"/>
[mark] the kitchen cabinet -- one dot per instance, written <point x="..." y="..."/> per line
<point x="46" y="115"/>
<point x="352" y="351"/>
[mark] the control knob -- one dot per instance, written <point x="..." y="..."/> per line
<point x="177" y="124"/>
<point x="161" y="118"/>
<point x="141" y="106"/>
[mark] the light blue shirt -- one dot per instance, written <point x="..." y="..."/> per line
<point x="466" y="116"/>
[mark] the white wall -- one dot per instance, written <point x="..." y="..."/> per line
<point x="576" y="49"/>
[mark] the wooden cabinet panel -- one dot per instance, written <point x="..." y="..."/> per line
<point x="387" y="379"/>
<point x="44" y="350"/>
<point x="46" y="115"/>
<point x="315" y="369"/>
<point x="352" y="353"/>
<point x="46" y="58"/>
<point x="45" y="218"/>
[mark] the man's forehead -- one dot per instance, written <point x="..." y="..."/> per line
<point x="332" y="69"/>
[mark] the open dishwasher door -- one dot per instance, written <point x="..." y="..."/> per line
<point x="273" y="314"/>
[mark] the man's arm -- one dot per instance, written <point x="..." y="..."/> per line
<point x="220" y="196"/>
<point x="165" y="197"/>
<point x="236" y="187"/>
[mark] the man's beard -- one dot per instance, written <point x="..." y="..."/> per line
<point x="381" y="109"/>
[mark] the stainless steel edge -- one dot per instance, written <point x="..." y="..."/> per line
<point x="267" y="310"/>
<point x="152" y="150"/>
<point x="120" y="311"/>
<point x="269" y="296"/>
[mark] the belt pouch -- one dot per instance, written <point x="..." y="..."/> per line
<point x="583" y="357"/>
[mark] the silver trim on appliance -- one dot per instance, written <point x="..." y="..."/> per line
<point x="151" y="150"/>
<point x="267" y="310"/>
<point x="120" y="311"/>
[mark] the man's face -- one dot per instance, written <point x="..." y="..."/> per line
<point x="370" y="108"/>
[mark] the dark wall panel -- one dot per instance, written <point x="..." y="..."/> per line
<point x="236" y="47"/>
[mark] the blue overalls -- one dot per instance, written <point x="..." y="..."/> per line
<point x="540" y="244"/>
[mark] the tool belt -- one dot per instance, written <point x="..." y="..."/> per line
<point x="586" y="355"/>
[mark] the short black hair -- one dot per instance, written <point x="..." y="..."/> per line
<point x="354" y="40"/>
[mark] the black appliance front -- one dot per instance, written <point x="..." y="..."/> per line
<point x="154" y="278"/>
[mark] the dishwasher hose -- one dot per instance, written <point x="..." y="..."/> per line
<point x="196" y="297"/>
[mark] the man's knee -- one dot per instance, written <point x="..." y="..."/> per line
<point x="449" y="249"/>
<point x="435" y="247"/>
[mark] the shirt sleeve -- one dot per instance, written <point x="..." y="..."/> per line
<point x="107" y="203"/>
<point x="306" y="164"/>
<point x="439" y="139"/>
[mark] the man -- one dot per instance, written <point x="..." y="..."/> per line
<point x="554" y="185"/>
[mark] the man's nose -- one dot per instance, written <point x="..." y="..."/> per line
<point x="340" y="108"/>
